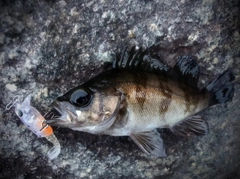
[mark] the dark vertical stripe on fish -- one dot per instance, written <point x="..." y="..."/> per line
<point x="166" y="102"/>
<point x="140" y="80"/>
<point x="140" y="95"/>
<point x="191" y="100"/>
<point x="187" y="98"/>
<point x="165" y="90"/>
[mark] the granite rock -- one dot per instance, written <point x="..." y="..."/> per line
<point x="47" y="47"/>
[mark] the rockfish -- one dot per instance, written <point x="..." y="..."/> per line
<point x="140" y="94"/>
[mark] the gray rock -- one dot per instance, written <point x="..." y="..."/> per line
<point x="47" y="47"/>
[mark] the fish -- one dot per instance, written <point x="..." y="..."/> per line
<point x="138" y="95"/>
<point x="32" y="118"/>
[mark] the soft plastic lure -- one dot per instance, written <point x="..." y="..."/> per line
<point x="37" y="124"/>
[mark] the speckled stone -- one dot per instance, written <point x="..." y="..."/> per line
<point x="47" y="47"/>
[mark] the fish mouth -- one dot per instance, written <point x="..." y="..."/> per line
<point x="61" y="114"/>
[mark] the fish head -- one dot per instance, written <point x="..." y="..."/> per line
<point x="86" y="108"/>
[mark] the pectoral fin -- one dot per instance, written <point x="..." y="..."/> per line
<point x="193" y="124"/>
<point x="150" y="142"/>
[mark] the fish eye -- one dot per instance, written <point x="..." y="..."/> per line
<point x="19" y="113"/>
<point x="81" y="98"/>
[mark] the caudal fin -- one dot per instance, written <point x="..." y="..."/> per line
<point x="222" y="88"/>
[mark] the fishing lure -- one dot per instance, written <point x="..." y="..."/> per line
<point x="36" y="123"/>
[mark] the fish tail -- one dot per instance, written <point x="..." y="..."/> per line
<point x="221" y="89"/>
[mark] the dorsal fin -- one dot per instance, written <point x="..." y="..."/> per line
<point x="138" y="60"/>
<point x="186" y="71"/>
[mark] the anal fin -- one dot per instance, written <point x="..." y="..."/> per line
<point x="150" y="142"/>
<point x="194" y="124"/>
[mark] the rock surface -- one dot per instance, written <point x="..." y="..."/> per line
<point x="47" y="47"/>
